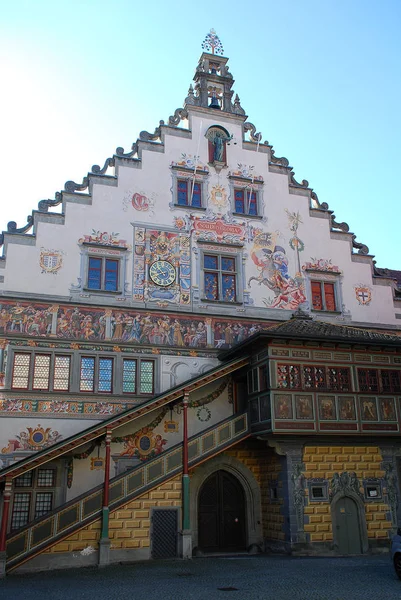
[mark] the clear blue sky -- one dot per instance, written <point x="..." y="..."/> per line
<point x="321" y="79"/>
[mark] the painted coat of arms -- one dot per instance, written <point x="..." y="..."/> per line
<point x="50" y="261"/>
<point x="363" y="294"/>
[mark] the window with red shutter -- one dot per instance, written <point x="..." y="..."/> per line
<point x="317" y="301"/>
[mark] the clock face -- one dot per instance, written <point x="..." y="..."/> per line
<point x="162" y="273"/>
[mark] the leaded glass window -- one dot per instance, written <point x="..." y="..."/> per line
<point x="61" y="376"/>
<point x="129" y="376"/>
<point x="289" y="377"/>
<point x="87" y="378"/>
<point x="147" y="372"/>
<point x="41" y="372"/>
<point x="20" y="378"/>
<point x="105" y="374"/>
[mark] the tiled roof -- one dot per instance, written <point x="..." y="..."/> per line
<point x="302" y="327"/>
<point x="310" y="328"/>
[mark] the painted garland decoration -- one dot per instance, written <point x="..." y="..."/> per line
<point x="210" y="397"/>
<point x="203" y="414"/>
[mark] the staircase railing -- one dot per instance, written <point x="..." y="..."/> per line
<point x="58" y="524"/>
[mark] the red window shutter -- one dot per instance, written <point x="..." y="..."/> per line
<point x="329" y="297"/>
<point x="316" y="288"/>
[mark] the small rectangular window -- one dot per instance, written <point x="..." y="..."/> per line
<point x="43" y="503"/>
<point x="21" y="366"/>
<point x="103" y="274"/>
<point x="105" y="378"/>
<point x="317" y="492"/>
<point x="189" y="193"/>
<point x="129" y="376"/>
<point x="20" y="514"/>
<point x="147" y="377"/>
<point x="24" y="480"/>
<point x="323" y="296"/>
<point x="263" y="378"/>
<point x="368" y="380"/>
<point x="220" y="277"/>
<point x="41" y="372"/>
<point x="245" y="202"/>
<point x="95" y="274"/>
<point x="61" y="377"/>
<point x="46" y="477"/>
<point x="87" y="376"/>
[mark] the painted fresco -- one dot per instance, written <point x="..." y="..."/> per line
<point x="140" y="201"/>
<point x="156" y="329"/>
<point x="62" y="407"/>
<point x="228" y="333"/>
<point x="27" y="318"/>
<point x="346" y="408"/>
<point x="33" y="439"/>
<point x="91" y="324"/>
<point x="327" y="408"/>
<point x="322" y="265"/>
<point x="104" y="238"/>
<point x="272" y="263"/>
<point x="81" y="323"/>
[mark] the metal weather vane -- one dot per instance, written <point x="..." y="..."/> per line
<point x="212" y="43"/>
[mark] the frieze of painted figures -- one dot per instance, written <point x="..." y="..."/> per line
<point x="132" y="327"/>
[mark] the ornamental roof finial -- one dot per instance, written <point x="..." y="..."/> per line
<point x="212" y="43"/>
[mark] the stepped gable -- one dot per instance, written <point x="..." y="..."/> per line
<point x="212" y="92"/>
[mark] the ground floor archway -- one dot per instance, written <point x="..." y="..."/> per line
<point x="221" y="514"/>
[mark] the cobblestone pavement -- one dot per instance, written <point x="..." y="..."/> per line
<point x="254" y="578"/>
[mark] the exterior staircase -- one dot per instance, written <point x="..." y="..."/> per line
<point x="41" y="534"/>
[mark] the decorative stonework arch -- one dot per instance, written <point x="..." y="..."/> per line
<point x="254" y="532"/>
<point x="363" y="531"/>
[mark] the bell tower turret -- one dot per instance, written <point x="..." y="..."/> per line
<point x="213" y="80"/>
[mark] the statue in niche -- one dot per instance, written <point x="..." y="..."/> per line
<point x="218" y="137"/>
<point x="218" y="146"/>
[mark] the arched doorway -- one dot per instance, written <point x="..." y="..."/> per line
<point x="221" y="514"/>
<point x="347" y="528"/>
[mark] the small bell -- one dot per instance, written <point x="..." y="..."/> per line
<point x="214" y="102"/>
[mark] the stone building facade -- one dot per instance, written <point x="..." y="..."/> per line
<point x="195" y="357"/>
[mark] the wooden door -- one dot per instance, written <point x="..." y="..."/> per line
<point x="221" y="514"/>
<point x="347" y="527"/>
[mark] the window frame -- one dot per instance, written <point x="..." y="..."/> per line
<point x="103" y="273"/>
<point x="33" y="490"/>
<point x="189" y="192"/>
<point x="247" y="200"/>
<point x="237" y="257"/>
<point x="192" y="177"/>
<point x="322" y="285"/>
<point x="246" y="185"/>
<point x="31" y="370"/>
<point x="96" y="381"/>
<point x="299" y="373"/>
<point x="74" y="372"/>
<point x="138" y="376"/>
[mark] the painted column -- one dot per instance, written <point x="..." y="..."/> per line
<point x="3" y="528"/>
<point x="185" y="477"/>
<point x="104" y="544"/>
<point x="186" y="536"/>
